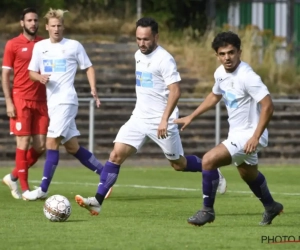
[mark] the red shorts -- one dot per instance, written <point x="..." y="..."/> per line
<point x="31" y="118"/>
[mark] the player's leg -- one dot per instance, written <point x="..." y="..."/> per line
<point x="173" y="150"/>
<point x="257" y="183"/>
<point x="129" y="140"/>
<point x="51" y="162"/>
<point x="37" y="149"/>
<point x="20" y="126"/>
<point x="58" y="127"/>
<point x="21" y="169"/>
<point x="216" y="157"/>
<point x="39" y="130"/>
<point x="85" y="157"/>
<point x="108" y="177"/>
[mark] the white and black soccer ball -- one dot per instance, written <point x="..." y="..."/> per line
<point x="57" y="208"/>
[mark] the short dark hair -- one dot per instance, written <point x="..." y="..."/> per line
<point x="148" y="22"/>
<point x="26" y="11"/>
<point x="225" y="38"/>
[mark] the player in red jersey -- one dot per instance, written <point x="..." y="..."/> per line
<point x="25" y="103"/>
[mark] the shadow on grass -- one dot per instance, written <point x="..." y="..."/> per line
<point x="75" y="221"/>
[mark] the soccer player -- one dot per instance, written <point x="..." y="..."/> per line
<point x="157" y="91"/>
<point x="25" y="104"/>
<point x="250" y="108"/>
<point x="54" y="63"/>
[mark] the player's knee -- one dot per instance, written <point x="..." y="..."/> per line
<point x="248" y="172"/>
<point x="23" y="142"/>
<point x="116" y="157"/>
<point x="71" y="149"/>
<point x="52" y="144"/>
<point x="40" y="149"/>
<point x="208" y="162"/>
<point x="178" y="165"/>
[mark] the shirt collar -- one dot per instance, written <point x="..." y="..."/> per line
<point x="24" y="39"/>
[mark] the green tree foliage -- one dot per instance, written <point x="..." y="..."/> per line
<point x="173" y="14"/>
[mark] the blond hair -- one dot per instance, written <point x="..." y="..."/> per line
<point x="53" y="13"/>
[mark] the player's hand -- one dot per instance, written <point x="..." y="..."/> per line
<point x="96" y="98"/>
<point x="251" y="145"/>
<point x="162" y="131"/>
<point x="10" y="109"/>
<point x="44" y="79"/>
<point x="184" y="121"/>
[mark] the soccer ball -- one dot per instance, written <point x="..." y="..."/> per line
<point x="57" y="208"/>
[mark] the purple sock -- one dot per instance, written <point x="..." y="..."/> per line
<point x="89" y="160"/>
<point x="193" y="164"/>
<point x="52" y="157"/>
<point x="210" y="182"/>
<point x="260" y="188"/>
<point x="108" y="178"/>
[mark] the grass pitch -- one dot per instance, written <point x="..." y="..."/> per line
<point x="148" y="210"/>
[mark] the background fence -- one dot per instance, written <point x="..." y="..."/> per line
<point x="100" y="126"/>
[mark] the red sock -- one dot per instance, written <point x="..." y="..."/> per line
<point x="14" y="173"/>
<point x="22" y="167"/>
<point x="32" y="156"/>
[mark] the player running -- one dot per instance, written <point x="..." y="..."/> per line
<point x="54" y="64"/>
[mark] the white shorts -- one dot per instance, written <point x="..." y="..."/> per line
<point x="62" y="122"/>
<point x="235" y="145"/>
<point x="135" y="132"/>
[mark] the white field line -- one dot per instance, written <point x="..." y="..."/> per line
<point x="156" y="187"/>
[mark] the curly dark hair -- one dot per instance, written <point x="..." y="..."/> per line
<point x="225" y="38"/>
<point x="148" y="22"/>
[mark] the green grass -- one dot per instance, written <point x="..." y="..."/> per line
<point x="147" y="217"/>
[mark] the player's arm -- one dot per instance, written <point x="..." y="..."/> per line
<point x="34" y="67"/>
<point x="10" y="108"/>
<point x="266" y="113"/>
<point x="173" y="98"/>
<point x="85" y="64"/>
<point x="171" y="78"/>
<point x="259" y="92"/>
<point x="37" y="77"/>
<point x="174" y="95"/>
<point x="91" y="76"/>
<point x="7" y="65"/>
<point x="209" y="102"/>
<point x="6" y="83"/>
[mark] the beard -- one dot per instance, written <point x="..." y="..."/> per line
<point x="29" y="32"/>
<point x="150" y="49"/>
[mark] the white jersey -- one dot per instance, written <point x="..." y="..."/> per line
<point x="154" y="72"/>
<point x="241" y="91"/>
<point x="60" y="60"/>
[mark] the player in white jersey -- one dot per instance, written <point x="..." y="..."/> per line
<point x="54" y="63"/>
<point x="250" y="108"/>
<point x="157" y="91"/>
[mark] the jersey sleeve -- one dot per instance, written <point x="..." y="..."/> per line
<point x="255" y="87"/>
<point x="82" y="58"/>
<point x="169" y="71"/>
<point x="9" y="56"/>
<point x="216" y="88"/>
<point x="34" y="64"/>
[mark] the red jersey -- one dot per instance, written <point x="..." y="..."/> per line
<point x="17" y="56"/>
